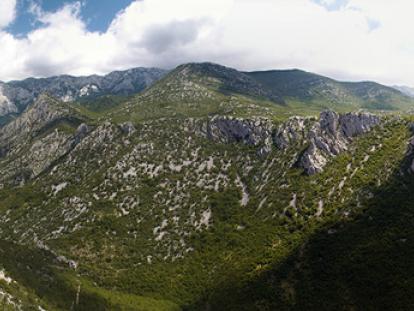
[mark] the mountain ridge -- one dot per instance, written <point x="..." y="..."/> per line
<point x="284" y="87"/>
<point x="301" y="85"/>
<point x="70" y="88"/>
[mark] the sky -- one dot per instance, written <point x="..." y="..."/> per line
<point x="344" y="39"/>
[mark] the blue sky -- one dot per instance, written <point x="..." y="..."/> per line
<point x="97" y="14"/>
<point x="332" y="5"/>
<point x="344" y="39"/>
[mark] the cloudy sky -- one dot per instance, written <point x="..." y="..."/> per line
<point x="344" y="39"/>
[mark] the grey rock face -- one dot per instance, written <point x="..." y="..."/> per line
<point x="331" y="136"/>
<point x="44" y="110"/>
<point x="326" y="138"/>
<point x="328" y="121"/>
<point x="6" y="106"/>
<point x="127" y="128"/>
<point x="29" y="144"/>
<point x="82" y="130"/>
<point x="16" y="95"/>
<point x="254" y="132"/>
<point x="292" y="131"/>
<point x="357" y="124"/>
<point x="44" y="151"/>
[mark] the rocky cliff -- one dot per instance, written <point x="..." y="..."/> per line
<point x="324" y="138"/>
<point x="255" y="132"/>
<point x="331" y="136"/>
<point x="43" y="133"/>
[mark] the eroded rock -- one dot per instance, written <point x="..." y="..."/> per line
<point x="252" y="132"/>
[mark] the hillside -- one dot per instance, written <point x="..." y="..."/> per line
<point x="204" y="192"/>
<point x="313" y="89"/>
<point x="198" y="89"/>
<point x="184" y="212"/>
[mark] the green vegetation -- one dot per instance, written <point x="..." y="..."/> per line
<point x="314" y="90"/>
<point x="102" y="104"/>
<point x="157" y="215"/>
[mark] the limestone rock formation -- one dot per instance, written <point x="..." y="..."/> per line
<point x="15" y="96"/>
<point x="254" y="132"/>
<point x="325" y="138"/>
<point x="331" y="136"/>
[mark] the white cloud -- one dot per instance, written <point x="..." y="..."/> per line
<point x="7" y="12"/>
<point x="361" y="39"/>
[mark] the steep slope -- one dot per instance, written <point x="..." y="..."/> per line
<point x="214" y="77"/>
<point x="16" y="95"/>
<point x="6" y="106"/>
<point x="44" y="132"/>
<point x="200" y="194"/>
<point x="199" y="90"/>
<point x="174" y="212"/>
<point x="315" y="89"/>
<point x="355" y="263"/>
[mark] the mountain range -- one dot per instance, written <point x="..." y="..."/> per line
<point x="16" y="95"/>
<point x="279" y="86"/>
<point x="206" y="188"/>
<point x="409" y="91"/>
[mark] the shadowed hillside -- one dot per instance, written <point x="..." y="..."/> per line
<point x="359" y="263"/>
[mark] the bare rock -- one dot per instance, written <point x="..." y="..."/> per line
<point x="331" y="136"/>
<point x="253" y="132"/>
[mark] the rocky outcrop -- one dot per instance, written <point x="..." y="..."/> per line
<point x="43" y="111"/>
<point x="325" y="138"/>
<point x="354" y="124"/>
<point x="6" y="106"/>
<point x="292" y="132"/>
<point x="253" y="132"/>
<point x="44" y="133"/>
<point x="331" y="136"/>
<point x="127" y="128"/>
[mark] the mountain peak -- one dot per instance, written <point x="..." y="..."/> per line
<point x="227" y="80"/>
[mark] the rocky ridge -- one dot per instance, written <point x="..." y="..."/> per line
<point x="15" y="96"/>
<point x="30" y="143"/>
<point x="326" y="137"/>
<point x="331" y="136"/>
<point x="255" y="132"/>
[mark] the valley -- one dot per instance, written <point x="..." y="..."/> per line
<point x="207" y="189"/>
